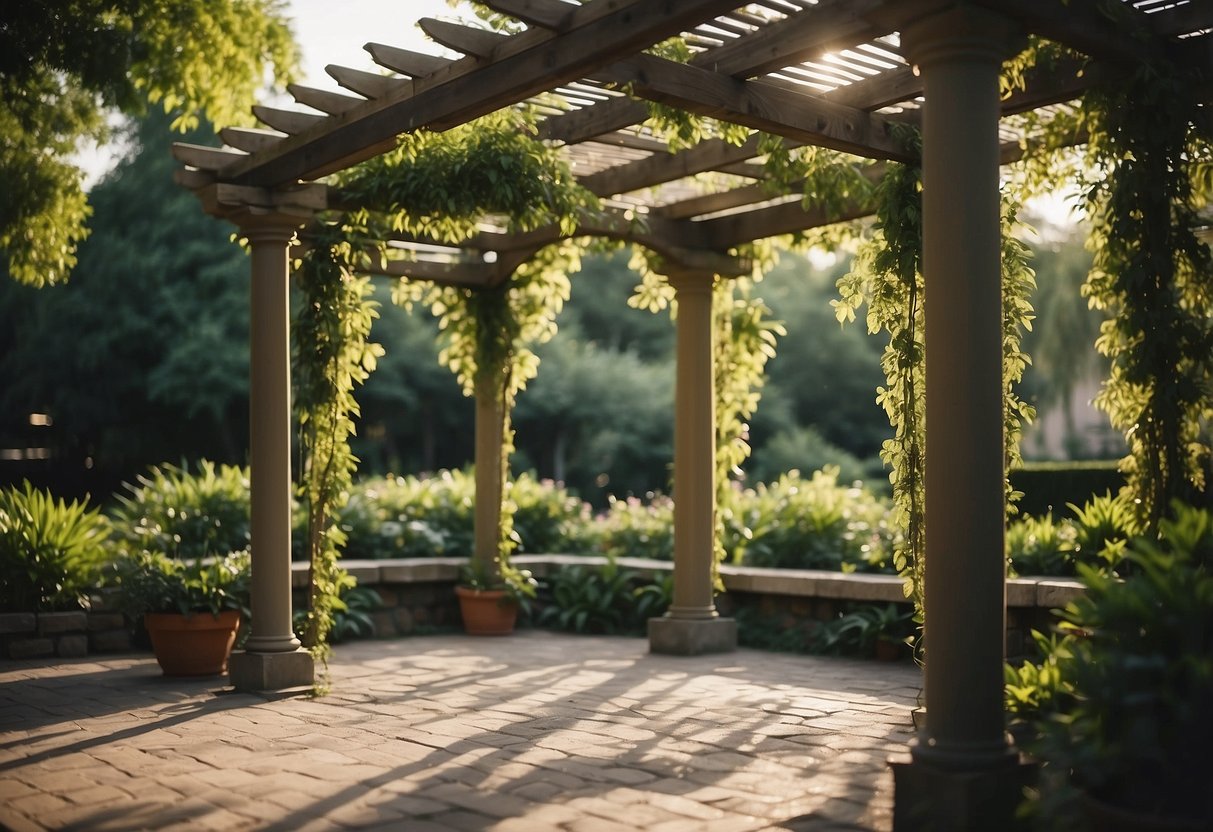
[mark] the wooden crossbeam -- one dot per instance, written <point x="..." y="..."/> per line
<point x="205" y="158"/>
<point x="761" y="106"/>
<point x="369" y="84"/>
<point x="448" y="274"/>
<point x="597" y="33"/>
<point x="665" y="167"/>
<point x="404" y="61"/>
<point x="248" y="139"/>
<point x="286" y="121"/>
<point x="325" y="101"/>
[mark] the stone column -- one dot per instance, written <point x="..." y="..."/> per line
<point x="963" y="772"/>
<point x="490" y="435"/>
<point x="272" y="658"/>
<point x="692" y="624"/>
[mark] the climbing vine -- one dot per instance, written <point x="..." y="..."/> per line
<point x="333" y="355"/>
<point x="1151" y="172"/>
<point x="886" y="275"/>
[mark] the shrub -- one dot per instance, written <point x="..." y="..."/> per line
<point x="603" y="599"/>
<point x="51" y="551"/>
<point x="810" y="524"/>
<point x="630" y="528"/>
<point x="855" y="631"/>
<point x="1104" y="525"/>
<point x="410" y="517"/>
<point x="1042" y="546"/>
<point x="547" y="518"/>
<point x="185" y="515"/>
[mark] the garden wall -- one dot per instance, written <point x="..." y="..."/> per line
<point x="418" y="594"/>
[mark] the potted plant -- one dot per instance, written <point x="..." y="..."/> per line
<point x="1134" y="733"/>
<point x="191" y="610"/>
<point x="490" y="596"/>
<point x="182" y="567"/>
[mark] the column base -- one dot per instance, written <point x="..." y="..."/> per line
<point x="692" y="636"/>
<point x="927" y="797"/>
<point x="271" y="671"/>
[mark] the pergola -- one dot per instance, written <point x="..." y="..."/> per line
<point x="839" y="74"/>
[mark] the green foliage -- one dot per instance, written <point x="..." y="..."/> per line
<point x="403" y="517"/>
<point x="66" y="64"/>
<point x="1105" y="525"/>
<point x="804" y="448"/>
<point x="857" y="632"/>
<point x="333" y="354"/>
<point x="152" y="580"/>
<point x="1036" y="690"/>
<point x="185" y="515"/>
<point x="814" y="523"/>
<point x="51" y="551"/>
<point x="634" y="529"/>
<point x="886" y="275"/>
<point x="1148" y="163"/>
<point x="351" y="616"/>
<point x="547" y="518"/>
<point x="1041" y="546"/>
<point x="1141" y="667"/>
<point x="143" y="355"/>
<point x="604" y="599"/>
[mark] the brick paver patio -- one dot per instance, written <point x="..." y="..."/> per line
<point x="535" y="733"/>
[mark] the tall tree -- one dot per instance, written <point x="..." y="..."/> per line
<point x="143" y="356"/>
<point x="67" y="65"/>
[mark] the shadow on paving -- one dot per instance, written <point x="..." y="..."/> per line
<point x="539" y="729"/>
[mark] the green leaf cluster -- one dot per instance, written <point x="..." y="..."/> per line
<point x="66" y="64"/>
<point x="51" y="551"/>
<point x="1152" y="277"/>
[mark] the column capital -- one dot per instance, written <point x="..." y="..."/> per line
<point x="963" y="33"/>
<point x="264" y="214"/>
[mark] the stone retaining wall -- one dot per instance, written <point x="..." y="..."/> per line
<point x="418" y="596"/>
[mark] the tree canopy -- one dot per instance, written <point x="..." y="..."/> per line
<point x="66" y="65"/>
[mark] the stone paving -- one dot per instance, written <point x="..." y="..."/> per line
<point x="534" y="733"/>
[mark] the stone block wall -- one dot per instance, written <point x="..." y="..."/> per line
<point x="33" y="635"/>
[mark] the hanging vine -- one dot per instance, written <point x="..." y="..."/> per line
<point x="333" y="355"/>
<point x="1152" y="171"/>
<point x="886" y="275"/>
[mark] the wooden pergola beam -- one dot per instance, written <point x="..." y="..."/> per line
<point x="596" y="34"/>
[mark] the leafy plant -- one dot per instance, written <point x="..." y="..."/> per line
<point x="547" y="518"/>
<point x="153" y="581"/>
<point x="855" y="633"/>
<point x="604" y="599"/>
<point x="51" y="551"/>
<point x="813" y="523"/>
<point x="1104" y="526"/>
<point x="631" y="528"/>
<point x="1037" y="690"/>
<point x="351" y="617"/>
<point x="1141" y="667"/>
<point x="1042" y="546"/>
<point x="185" y="515"/>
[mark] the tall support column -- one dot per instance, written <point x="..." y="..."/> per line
<point x="486" y="523"/>
<point x="692" y="625"/>
<point x="272" y="658"/>
<point x="962" y="774"/>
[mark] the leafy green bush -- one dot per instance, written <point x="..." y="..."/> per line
<point x="185" y="515"/>
<point x="810" y="524"/>
<point x="855" y="632"/>
<point x="547" y="518"/>
<point x="149" y="580"/>
<point x="410" y="517"/>
<point x="51" y="551"/>
<point x="1042" y="546"/>
<point x="1105" y="525"/>
<point x="603" y="599"/>
<point x="632" y="529"/>
<point x="1137" y="731"/>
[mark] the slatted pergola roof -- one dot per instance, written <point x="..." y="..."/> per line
<point x="829" y="73"/>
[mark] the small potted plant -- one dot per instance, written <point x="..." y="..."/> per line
<point x="490" y="596"/>
<point x="182" y="568"/>
<point x="191" y="610"/>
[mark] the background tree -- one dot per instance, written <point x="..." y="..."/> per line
<point x="66" y="65"/>
<point x="143" y="356"/>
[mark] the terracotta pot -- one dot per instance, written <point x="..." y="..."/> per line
<point x="193" y="645"/>
<point x="487" y="612"/>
